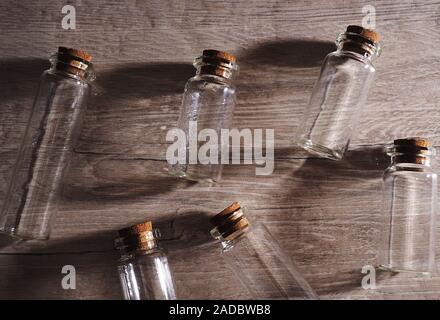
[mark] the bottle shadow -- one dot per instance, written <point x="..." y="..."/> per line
<point x="18" y="81"/>
<point x="368" y="160"/>
<point x="274" y="75"/>
<point x="288" y="53"/>
<point x="126" y="98"/>
<point x="6" y="241"/>
<point x="112" y="179"/>
<point x="32" y="267"/>
<point x="143" y="80"/>
<point x="115" y="88"/>
<point x="126" y="163"/>
<point x="190" y="228"/>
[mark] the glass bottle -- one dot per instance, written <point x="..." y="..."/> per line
<point x="143" y="267"/>
<point x="208" y="103"/>
<point x="52" y="129"/>
<point x="339" y="94"/>
<point x="410" y="204"/>
<point x="254" y="256"/>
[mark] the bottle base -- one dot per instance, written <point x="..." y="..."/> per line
<point x="401" y="270"/>
<point x="8" y="232"/>
<point x="319" y="150"/>
<point x="193" y="178"/>
<point x="18" y="236"/>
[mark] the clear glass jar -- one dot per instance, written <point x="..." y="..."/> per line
<point x="208" y="103"/>
<point x="339" y="94"/>
<point x="410" y="204"/>
<point x="254" y="256"/>
<point x="52" y="130"/>
<point x="143" y="267"/>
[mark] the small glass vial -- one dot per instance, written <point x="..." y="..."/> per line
<point x="208" y="103"/>
<point x="256" y="259"/>
<point x="52" y="130"/>
<point x="143" y="267"/>
<point x="339" y="94"/>
<point x="410" y="198"/>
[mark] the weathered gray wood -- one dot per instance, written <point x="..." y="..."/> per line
<point x="325" y="214"/>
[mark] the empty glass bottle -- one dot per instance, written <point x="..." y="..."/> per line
<point x="143" y="267"/>
<point x="53" y="127"/>
<point x="339" y="94"/>
<point x="208" y="103"/>
<point x="410" y="198"/>
<point x="256" y="259"/>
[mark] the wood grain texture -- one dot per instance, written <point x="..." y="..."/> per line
<point x="326" y="215"/>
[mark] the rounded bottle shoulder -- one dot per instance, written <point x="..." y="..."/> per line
<point x="62" y="77"/>
<point x="209" y="82"/>
<point x="140" y="254"/>
<point x="409" y="170"/>
<point x="348" y="59"/>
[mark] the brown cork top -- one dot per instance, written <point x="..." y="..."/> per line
<point x="74" y="62"/>
<point x="75" y="53"/>
<point x="414" y="150"/>
<point x="219" y="54"/>
<point x="225" y="213"/>
<point x="136" y="237"/>
<point x="413" y="142"/>
<point x="136" y="229"/>
<point x="217" y="63"/>
<point x="231" y="222"/>
<point x="366" y="33"/>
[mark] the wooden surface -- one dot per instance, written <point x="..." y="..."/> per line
<point x="325" y="214"/>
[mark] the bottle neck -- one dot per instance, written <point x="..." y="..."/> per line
<point x="216" y="72"/>
<point x="213" y="78"/>
<point x="415" y="161"/>
<point x="357" y="46"/>
<point x="227" y="243"/>
<point x="71" y="66"/>
<point x="215" y="69"/>
<point x="407" y="154"/>
<point x="230" y="226"/>
<point x="138" y="243"/>
<point x="131" y="254"/>
<point x="355" y="52"/>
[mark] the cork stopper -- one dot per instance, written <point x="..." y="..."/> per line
<point x="136" y="229"/>
<point x="82" y="55"/>
<point x="219" y="55"/>
<point x="231" y="222"/>
<point x="413" y="142"/>
<point x="217" y="63"/>
<point x="366" y="33"/>
<point x="413" y="150"/>
<point x="137" y="237"/>
<point x="74" y="62"/>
